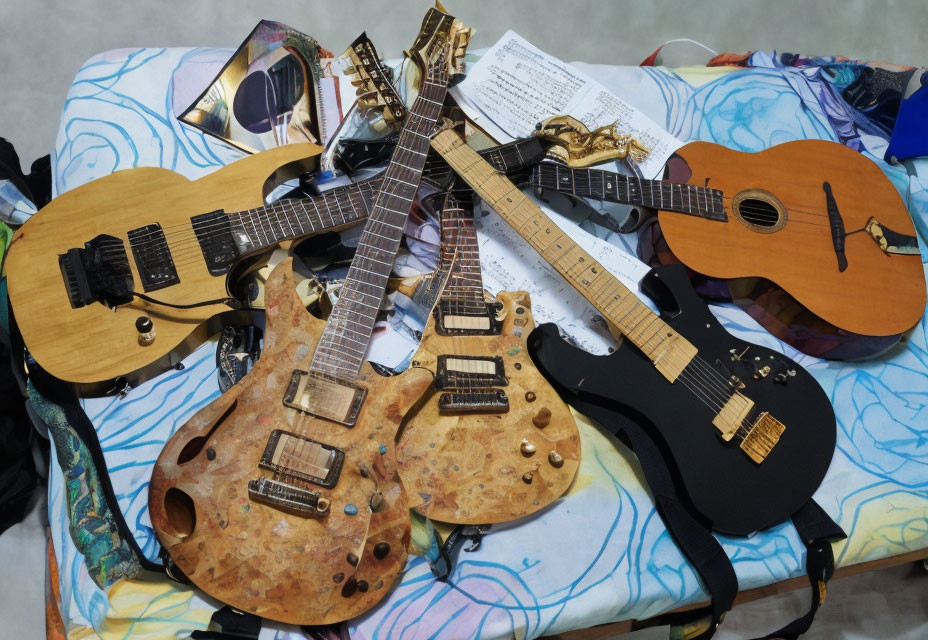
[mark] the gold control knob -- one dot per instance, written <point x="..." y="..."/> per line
<point x="556" y="459"/>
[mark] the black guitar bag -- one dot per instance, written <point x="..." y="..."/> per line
<point x="694" y="538"/>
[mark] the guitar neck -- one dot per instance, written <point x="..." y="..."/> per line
<point x="265" y="227"/>
<point x="343" y="344"/>
<point x="613" y="187"/>
<point x="460" y="253"/>
<point x="669" y="351"/>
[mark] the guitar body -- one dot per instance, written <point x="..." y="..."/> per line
<point x="734" y="494"/>
<point x="472" y="468"/>
<point x="93" y="343"/>
<point x="257" y="557"/>
<point x="877" y="293"/>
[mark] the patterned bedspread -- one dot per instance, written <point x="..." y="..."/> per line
<point x="601" y="553"/>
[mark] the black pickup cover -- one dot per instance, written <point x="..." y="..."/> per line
<point x="214" y="233"/>
<point x="152" y="257"/>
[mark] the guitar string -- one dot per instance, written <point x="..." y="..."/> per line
<point x="180" y="248"/>
<point x="352" y="191"/>
<point x="695" y="376"/>
<point x="401" y="156"/>
<point x="661" y="184"/>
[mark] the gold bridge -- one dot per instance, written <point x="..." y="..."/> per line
<point x="763" y="437"/>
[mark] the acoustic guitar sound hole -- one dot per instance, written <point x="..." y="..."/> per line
<point x="759" y="211"/>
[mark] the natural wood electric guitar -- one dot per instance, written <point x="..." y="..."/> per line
<point x="123" y="273"/>
<point x="749" y="432"/>
<point x="494" y="442"/>
<point x="281" y="497"/>
<point x="815" y="217"/>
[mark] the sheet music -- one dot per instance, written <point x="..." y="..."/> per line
<point x="515" y="85"/>
<point x="509" y="263"/>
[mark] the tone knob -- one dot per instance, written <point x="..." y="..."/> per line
<point x="543" y="418"/>
<point x="146" y="329"/>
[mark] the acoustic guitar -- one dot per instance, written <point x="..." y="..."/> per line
<point x="815" y="217"/>
<point x="750" y="432"/>
<point x="281" y="497"/>
<point x="494" y="442"/>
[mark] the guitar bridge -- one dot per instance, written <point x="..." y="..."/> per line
<point x="288" y="498"/>
<point x="762" y="437"/>
<point x="494" y="401"/>
<point x="98" y="272"/>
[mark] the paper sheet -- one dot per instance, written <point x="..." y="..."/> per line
<point x="509" y="263"/>
<point x="515" y="85"/>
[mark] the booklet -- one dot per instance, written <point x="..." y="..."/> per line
<point x="515" y="85"/>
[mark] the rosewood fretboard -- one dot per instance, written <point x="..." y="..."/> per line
<point x="292" y="218"/>
<point x="613" y="187"/>
<point x="343" y="344"/>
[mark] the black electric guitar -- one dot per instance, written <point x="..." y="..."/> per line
<point x="749" y="431"/>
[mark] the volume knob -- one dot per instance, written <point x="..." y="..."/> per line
<point x="146" y="329"/>
<point x="543" y="418"/>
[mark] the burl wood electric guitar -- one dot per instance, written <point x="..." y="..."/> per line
<point x="281" y="498"/>
<point x="815" y="217"/>
<point x="750" y="432"/>
<point x="116" y="275"/>
<point x="494" y="442"/>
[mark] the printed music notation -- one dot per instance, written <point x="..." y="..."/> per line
<point x="509" y="263"/>
<point x="516" y="85"/>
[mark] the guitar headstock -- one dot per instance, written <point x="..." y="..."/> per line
<point x="439" y="49"/>
<point x="374" y="82"/>
<point x="579" y="147"/>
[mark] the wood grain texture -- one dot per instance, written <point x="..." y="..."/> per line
<point x="92" y="344"/>
<point x="469" y="468"/>
<point x="876" y="295"/>
<point x="262" y="560"/>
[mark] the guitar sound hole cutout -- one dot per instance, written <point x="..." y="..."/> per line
<point x="180" y="512"/>
<point x="759" y="211"/>
<point x="195" y="445"/>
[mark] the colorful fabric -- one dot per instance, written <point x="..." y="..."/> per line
<point x="601" y="553"/>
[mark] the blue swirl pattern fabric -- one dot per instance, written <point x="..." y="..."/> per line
<point x="601" y="553"/>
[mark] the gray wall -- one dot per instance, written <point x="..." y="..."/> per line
<point x="43" y="42"/>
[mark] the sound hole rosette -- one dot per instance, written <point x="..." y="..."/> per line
<point x="759" y="210"/>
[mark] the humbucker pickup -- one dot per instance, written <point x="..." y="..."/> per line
<point x="450" y="321"/>
<point x="300" y="457"/>
<point x="492" y="400"/>
<point x="456" y="372"/>
<point x="153" y="257"/>
<point x="325" y="397"/>
<point x="301" y="502"/>
<point x="214" y="233"/>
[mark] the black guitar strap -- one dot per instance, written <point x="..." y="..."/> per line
<point x="695" y="540"/>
